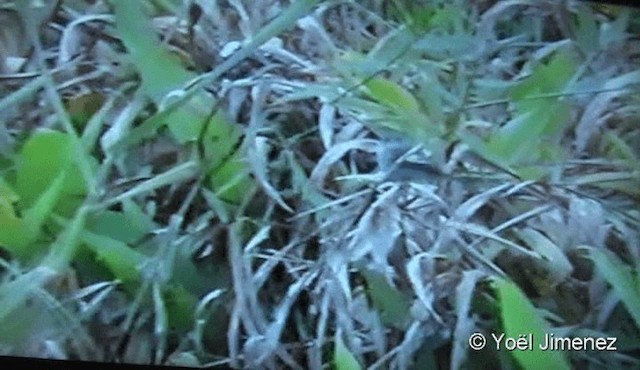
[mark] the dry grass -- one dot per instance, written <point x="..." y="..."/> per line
<point x="326" y="184"/>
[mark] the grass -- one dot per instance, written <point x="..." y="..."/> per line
<point x="319" y="184"/>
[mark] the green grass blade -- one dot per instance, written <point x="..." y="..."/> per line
<point x="122" y="260"/>
<point x="393" y="305"/>
<point x="519" y="317"/>
<point x="14" y="294"/>
<point x="35" y="217"/>
<point x="342" y="357"/>
<point x="63" y="250"/>
<point x="160" y="323"/>
<point x="43" y="157"/>
<point x="25" y="92"/>
<point x="621" y="278"/>
<point x="159" y="70"/>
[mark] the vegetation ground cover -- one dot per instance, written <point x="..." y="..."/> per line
<point x="319" y="184"/>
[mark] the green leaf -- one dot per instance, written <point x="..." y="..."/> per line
<point x="160" y="71"/>
<point x="137" y="217"/>
<point x="519" y="317"/>
<point x="621" y="278"/>
<point x="180" y="306"/>
<point x="343" y="358"/>
<point x="220" y="140"/>
<point x="231" y="180"/>
<point x="120" y="259"/>
<point x="532" y="137"/>
<point x="392" y="305"/>
<point x="7" y="194"/>
<point x="619" y="149"/>
<point x="28" y="229"/>
<point x="522" y="140"/>
<point x="391" y="94"/>
<point x="550" y="77"/>
<point x="36" y="216"/>
<point x="44" y="156"/>
<point x="487" y="152"/>
<point x="15" y="293"/>
<point x="19" y="234"/>
<point x="553" y="259"/>
<point x="13" y="231"/>
<point x="117" y="225"/>
<point x="586" y="33"/>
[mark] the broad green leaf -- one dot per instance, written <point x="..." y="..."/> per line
<point x="417" y="16"/>
<point x="550" y="77"/>
<point x="485" y="151"/>
<point x="351" y="63"/>
<point x="13" y="231"/>
<point x="393" y="107"/>
<point x="522" y="140"/>
<point x="198" y="278"/>
<point x="231" y="180"/>
<point x="19" y="234"/>
<point x="519" y="317"/>
<point x="621" y="278"/>
<point x="28" y="229"/>
<point x="161" y="72"/>
<point x="391" y="94"/>
<point x="389" y="49"/>
<point x="180" y="306"/>
<point x="449" y="17"/>
<point x="122" y="260"/>
<point x="532" y="135"/>
<point x="44" y="156"/>
<point x="116" y="225"/>
<point x="220" y="143"/>
<point x="137" y="216"/>
<point x="343" y="358"/>
<point x="487" y="89"/>
<point x="392" y="305"/>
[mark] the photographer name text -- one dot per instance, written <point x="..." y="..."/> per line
<point x="550" y="342"/>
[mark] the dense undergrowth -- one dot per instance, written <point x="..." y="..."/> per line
<point x="342" y="184"/>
